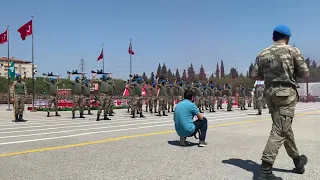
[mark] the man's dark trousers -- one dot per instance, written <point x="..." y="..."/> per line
<point x="201" y="125"/>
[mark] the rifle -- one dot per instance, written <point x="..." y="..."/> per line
<point x="75" y="72"/>
<point x="50" y="74"/>
<point x="100" y="72"/>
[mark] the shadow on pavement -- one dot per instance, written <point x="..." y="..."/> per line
<point x="177" y="143"/>
<point x="250" y="166"/>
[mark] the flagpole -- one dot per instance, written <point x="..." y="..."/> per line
<point x="102" y="59"/>
<point x="9" y="99"/>
<point x="130" y="59"/>
<point x="33" y="83"/>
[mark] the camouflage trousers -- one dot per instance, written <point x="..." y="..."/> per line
<point x="264" y="102"/>
<point x="229" y="106"/>
<point x="137" y="104"/>
<point x="19" y="104"/>
<point x="170" y="102"/>
<point x="249" y="101"/>
<point x="52" y="100"/>
<point x="219" y="102"/>
<point x="162" y="103"/>
<point x="87" y="101"/>
<point x="242" y="102"/>
<point x="204" y="101"/>
<point x="152" y="103"/>
<point x="147" y="102"/>
<point x="282" y="103"/>
<point x="259" y="104"/>
<point x="105" y="101"/>
<point x="77" y="101"/>
<point x="197" y="101"/>
<point x="254" y="102"/>
<point x="129" y="100"/>
<point x="211" y="102"/>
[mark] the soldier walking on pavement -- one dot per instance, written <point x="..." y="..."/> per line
<point x="242" y="96"/>
<point x="77" y="95"/>
<point x="249" y="97"/>
<point x="259" y="97"/>
<point x="52" y="90"/>
<point x="279" y="65"/>
<point x="19" y="92"/>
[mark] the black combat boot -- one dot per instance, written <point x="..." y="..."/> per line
<point x="245" y="108"/>
<point x="300" y="162"/>
<point x="168" y="110"/>
<point x="241" y="109"/>
<point x="128" y="110"/>
<point x="81" y="115"/>
<point x="48" y="114"/>
<point x="20" y="117"/>
<point x="155" y="110"/>
<point x="106" y="117"/>
<point x="57" y="113"/>
<point x="110" y="114"/>
<point x="16" y="118"/>
<point x="159" y="114"/>
<point x="172" y="110"/>
<point x="98" y="117"/>
<point x="89" y="112"/>
<point x="141" y="115"/>
<point x="133" y="115"/>
<point x="213" y="110"/>
<point x="266" y="172"/>
<point x="164" y="113"/>
<point x="73" y="115"/>
<point x="151" y="111"/>
<point x="259" y="113"/>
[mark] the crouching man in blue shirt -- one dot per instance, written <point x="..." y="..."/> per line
<point x="183" y="120"/>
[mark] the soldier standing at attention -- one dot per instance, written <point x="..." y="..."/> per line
<point x="249" y="97"/>
<point x="129" y="87"/>
<point x="19" y="90"/>
<point x="228" y="90"/>
<point x="147" y="89"/>
<point x="197" y="91"/>
<point x="162" y="94"/>
<point x="77" y="95"/>
<point x="180" y="89"/>
<point x="279" y="65"/>
<point x="52" y="90"/>
<point x="111" y="93"/>
<point x="104" y="90"/>
<point x="153" y="99"/>
<point x="170" y="98"/>
<point x="242" y="96"/>
<point x="212" y="94"/>
<point x="219" y="98"/>
<point x="137" y="106"/>
<point x="86" y="94"/>
<point x="259" y="97"/>
<point x="205" y="97"/>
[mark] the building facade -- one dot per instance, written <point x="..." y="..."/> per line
<point x="22" y="67"/>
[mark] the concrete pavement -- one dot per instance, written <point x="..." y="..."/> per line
<point x="146" y="148"/>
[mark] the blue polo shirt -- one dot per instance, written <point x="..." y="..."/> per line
<point x="183" y="118"/>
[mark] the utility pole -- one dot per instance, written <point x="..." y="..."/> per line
<point x="82" y="65"/>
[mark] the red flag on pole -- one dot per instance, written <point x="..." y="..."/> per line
<point x="130" y="50"/>
<point x="25" y="30"/>
<point x="101" y="55"/>
<point x="4" y="37"/>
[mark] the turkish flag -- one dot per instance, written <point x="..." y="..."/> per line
<point x="130" y="51"/>
<point x="101" y="55"/>
<point x="25" y="30"/>
<point x="4" y="37"/>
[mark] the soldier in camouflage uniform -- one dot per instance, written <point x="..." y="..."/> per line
<point x="259" y="97"/>
<point x="212" y="94"/>
<point x="242" y="96"/>
<point x="112" y="84"/>
<point x="279" y="65"/>
<point x="170" y="95"/>
<point x="153" y="99"/>
<point x="204" y="103"/>
<point x="238" y="89"/>
<point x="86" y="95"/>
<point x="250" y="97"/>
<point x="129" y="87"/>
<point x="219" y="98"/>
<point x="180" y="93"/>
<point x="161" y="96"/>
<point x="105" y="90"/>
<point x="52" y="91"/>
<point x="77" y="96"/>
<point x="19" y="92"/>
<point x="147" y="98"/>
<point x="197" y="98"/>
<point x="138" y="98"/>
<point x="228" y="90"/>
<point x="263" y="99"/>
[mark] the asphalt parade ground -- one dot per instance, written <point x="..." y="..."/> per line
<point x="147" y="148"/>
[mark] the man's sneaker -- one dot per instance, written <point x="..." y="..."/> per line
<point x="183" y="141"/>
<point x="202" y="144"/>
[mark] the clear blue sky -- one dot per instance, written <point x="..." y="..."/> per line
<point x="175" y="32"/>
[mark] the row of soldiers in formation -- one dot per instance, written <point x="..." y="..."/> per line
<point x="160" y="97"/>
